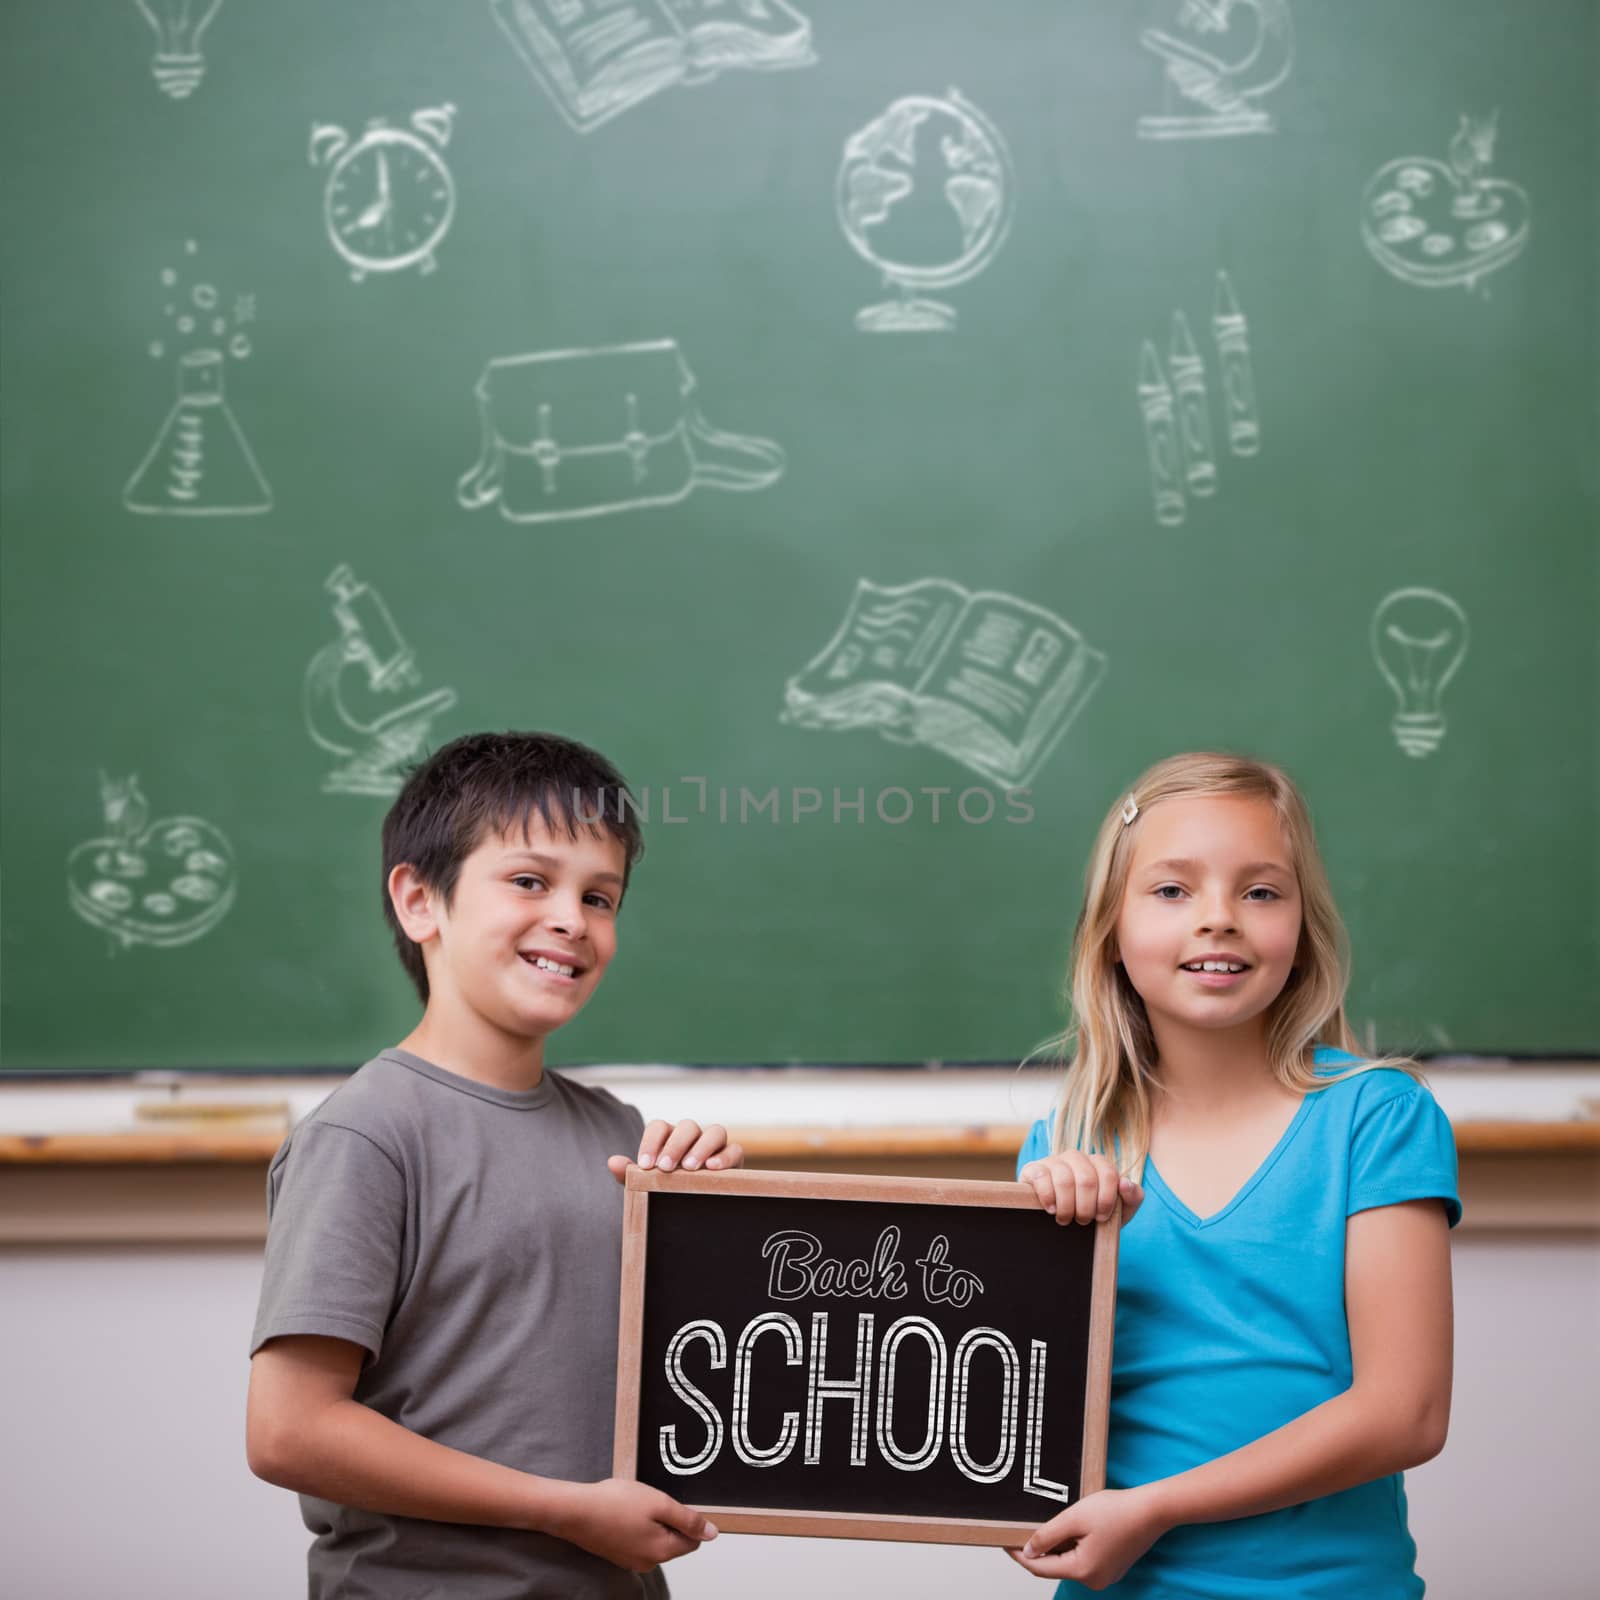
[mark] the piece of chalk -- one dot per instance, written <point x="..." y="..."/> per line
<point x="180" y="1110"/>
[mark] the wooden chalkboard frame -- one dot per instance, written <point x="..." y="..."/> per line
<point x="642" y="1183"/>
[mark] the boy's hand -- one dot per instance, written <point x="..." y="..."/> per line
<point x="631" y="1525"/>
<point x="1079" y="1188"/>
<point x="684" y="1144"/>
<point x="1094" y="1542"/>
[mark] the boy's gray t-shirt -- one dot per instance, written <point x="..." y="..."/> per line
<point x="470" y="1240"/>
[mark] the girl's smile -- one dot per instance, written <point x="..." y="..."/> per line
<point x="1216" y="971"/>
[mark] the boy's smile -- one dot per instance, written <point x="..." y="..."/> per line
<point x="559" y="966"/>
<point x="524" y="941"/>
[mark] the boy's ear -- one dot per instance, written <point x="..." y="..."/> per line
<point x="413" y="903"/>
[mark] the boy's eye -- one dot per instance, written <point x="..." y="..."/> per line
<point x="528" y="880"/>
<point x="598" y="899"/>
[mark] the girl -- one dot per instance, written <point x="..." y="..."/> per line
<point x="1283" y="1330"/>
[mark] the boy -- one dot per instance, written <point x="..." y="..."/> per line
<point x="434" y="1358"/>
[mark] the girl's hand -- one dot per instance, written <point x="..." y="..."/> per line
<point x="1079" y="1188"/>
<point x="1096" y="1541"/>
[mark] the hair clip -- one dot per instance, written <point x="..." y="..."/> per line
<point x="1130" y="810"/>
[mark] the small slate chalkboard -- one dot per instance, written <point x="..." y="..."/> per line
<point x="866" y="1358"/>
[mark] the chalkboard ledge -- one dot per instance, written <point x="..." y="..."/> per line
<point x="844" y="1112"/>
<point x="131" y="1162"/>
<point x="209" y="1190"/>
<point x="200" y="1142"/>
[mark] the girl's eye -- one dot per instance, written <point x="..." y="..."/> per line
<point x="1168" y="891"/>
<point x="1263" y="893"/>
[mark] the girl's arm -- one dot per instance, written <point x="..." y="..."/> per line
<point x="1394" y="1414"/>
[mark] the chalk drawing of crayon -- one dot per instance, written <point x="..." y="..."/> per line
<point x="1232" y="335"/>
<point x="1194" y="412"/>
<point x="1161" y="437"/>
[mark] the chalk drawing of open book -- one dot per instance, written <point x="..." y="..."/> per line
<point x="989" y="680"/>
<point x="598" y="58"/>
<point x="1222" y="57"/>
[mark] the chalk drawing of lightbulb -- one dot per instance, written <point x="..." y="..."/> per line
<point x="178" y="65"/>
<point x="1419" y="639"/>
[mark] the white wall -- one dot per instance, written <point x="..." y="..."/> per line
<point x="122" y="1453"/>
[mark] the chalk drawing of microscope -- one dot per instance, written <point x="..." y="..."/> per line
<point x="1219" y="89"/>
<point x="375" y="753"/>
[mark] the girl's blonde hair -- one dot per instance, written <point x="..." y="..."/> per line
<point x="1109" y="1047"/>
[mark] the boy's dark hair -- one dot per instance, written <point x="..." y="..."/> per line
<point x="497" y="781"/>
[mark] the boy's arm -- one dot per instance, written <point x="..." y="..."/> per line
<point x="304" y="1431"/>
<point x="1393" y="1416"/>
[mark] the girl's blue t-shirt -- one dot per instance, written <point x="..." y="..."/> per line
<point x="1232" y="1325"/>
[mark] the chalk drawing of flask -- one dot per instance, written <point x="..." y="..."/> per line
<point x="201" y="464"/>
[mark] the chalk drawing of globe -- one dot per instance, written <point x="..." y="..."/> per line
<point x="925" y="194"/>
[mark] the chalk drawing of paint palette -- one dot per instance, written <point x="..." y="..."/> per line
<point x="166" y="886"/>
<point x="1436" y="227"/>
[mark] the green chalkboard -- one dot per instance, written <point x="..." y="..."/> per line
<point x="889" y="400"/>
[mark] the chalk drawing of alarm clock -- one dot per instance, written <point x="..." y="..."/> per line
<point x="389" y="198"/>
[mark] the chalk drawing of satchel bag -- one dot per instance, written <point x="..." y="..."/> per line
<point x="579" y="433"/>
